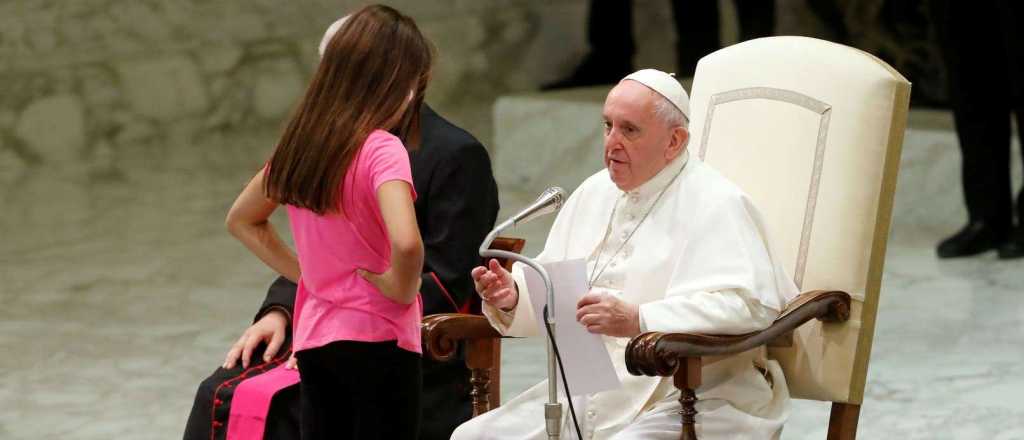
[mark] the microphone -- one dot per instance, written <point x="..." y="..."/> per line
<point x="549" y="201"/>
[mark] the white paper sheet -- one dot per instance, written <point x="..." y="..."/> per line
<point x="588" y="366"/>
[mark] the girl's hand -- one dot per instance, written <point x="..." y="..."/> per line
<point x="292" y="363"/>
<point x="391" y="287"/>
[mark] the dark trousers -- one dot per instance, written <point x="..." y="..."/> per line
<point x="983" y="47"/>
<point x="610" y="28"/>
<point x="359" y="390"/>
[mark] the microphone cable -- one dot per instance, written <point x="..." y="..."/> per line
<point x="565" y="383"/>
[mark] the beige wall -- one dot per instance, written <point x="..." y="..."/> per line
<point x="84" y="80"/>
<point x="87" y="82"/>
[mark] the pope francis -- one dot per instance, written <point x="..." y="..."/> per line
<point x="671" y="246"/>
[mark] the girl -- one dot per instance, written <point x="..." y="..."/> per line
<point x="343" y="171"/>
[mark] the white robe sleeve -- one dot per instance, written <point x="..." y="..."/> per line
<point x="723" y="312"/>
<point x="520" y="321"/>
<point x="725" y="281"/>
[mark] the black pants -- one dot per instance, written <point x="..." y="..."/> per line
<point x="983" y="46"/>
<point x="360" y="390"/>
<point x="610" y="28"/>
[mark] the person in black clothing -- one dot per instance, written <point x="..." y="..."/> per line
<point x="456" y="208"/>
<point x="983" y="47"/>
<point x="610" y="35"/>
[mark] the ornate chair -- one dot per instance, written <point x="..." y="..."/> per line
<point x="443" y="332"/>
<point x="812" y="131"/>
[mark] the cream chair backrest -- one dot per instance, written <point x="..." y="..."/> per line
<point x="812" y="131"/>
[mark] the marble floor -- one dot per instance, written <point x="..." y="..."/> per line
<point x="120" y="290"/>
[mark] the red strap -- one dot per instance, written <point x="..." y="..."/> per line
<point x="451" y="300"/>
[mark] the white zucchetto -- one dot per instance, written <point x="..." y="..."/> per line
<point x="665" y="84"/>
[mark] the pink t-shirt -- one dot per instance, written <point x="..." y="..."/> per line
<point x="334" y="303"/>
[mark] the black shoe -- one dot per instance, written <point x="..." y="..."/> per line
<point x="1014" y="247"/>
<point x="591" y="72"/>
<point x="975" y="238"/>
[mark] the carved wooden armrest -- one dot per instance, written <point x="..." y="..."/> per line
<point x="679" y="354"/>
<point x="441" y="336"/>
<point x="443" y="332"/>
<point x="655" y="353"/>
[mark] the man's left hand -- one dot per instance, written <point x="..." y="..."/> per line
<point x="607" y="315"/>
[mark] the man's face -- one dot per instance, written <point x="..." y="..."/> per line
<point x="637" y="143"/>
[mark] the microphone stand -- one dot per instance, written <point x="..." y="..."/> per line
<point x="552" y="409"/>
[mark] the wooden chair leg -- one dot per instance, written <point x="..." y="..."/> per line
<point x="687" y="380"/>
<point x="842" y="424"/>
<point x="494" y="391"/>
<point x="480" y="360"/>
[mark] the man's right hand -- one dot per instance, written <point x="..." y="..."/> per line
<point x="270" y="329"/>
<point x="495" y="285"/>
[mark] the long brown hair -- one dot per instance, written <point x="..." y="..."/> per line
<point x="363" y="82"/>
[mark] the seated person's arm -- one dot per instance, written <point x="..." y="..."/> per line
<point x="726" y="281"/>
<point x="495" y="286"/>
<point x="507" y="310"/>
<point x="725" y="312"/>
<point x="507" y="302"/>
<point x="280" y="296"/>
<point x="270" y="326"/>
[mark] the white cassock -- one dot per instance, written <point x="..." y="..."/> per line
<point x="699" y="263"/>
